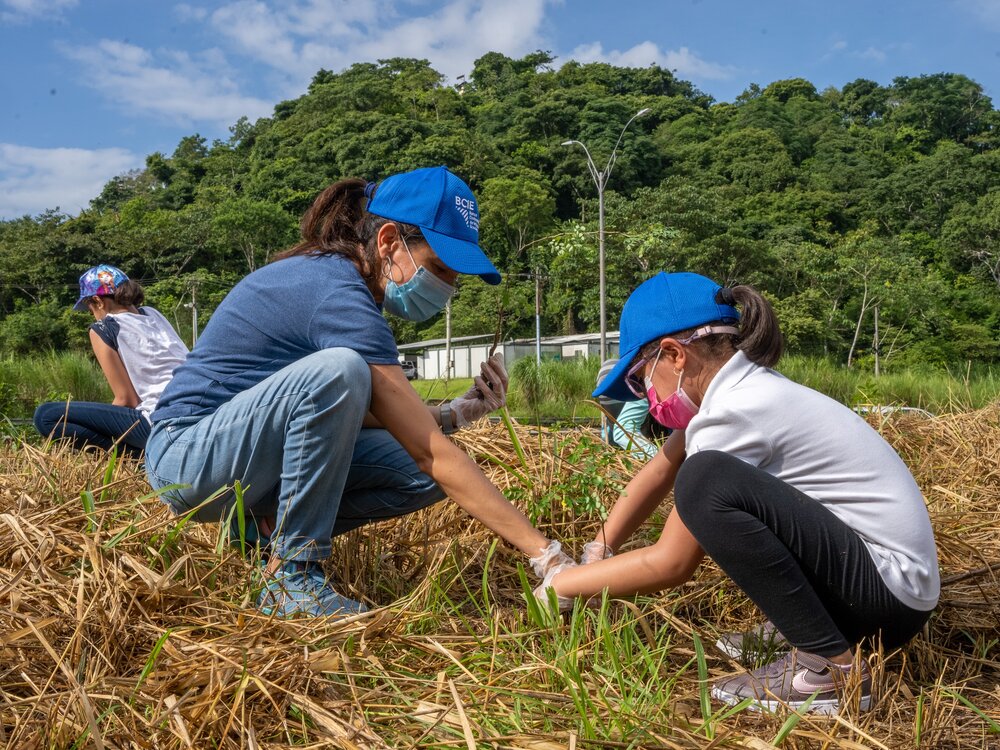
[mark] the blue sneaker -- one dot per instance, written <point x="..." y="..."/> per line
<point x="301" y="588"/>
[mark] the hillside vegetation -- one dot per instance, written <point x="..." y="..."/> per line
<point x="835" y="202"/>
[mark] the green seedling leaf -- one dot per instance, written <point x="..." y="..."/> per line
<point x="89" y="507"/>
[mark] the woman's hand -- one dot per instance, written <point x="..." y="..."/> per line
<point x="594" y="551"/>
<point x="488" y="393"/>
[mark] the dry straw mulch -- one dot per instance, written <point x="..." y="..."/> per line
<point x="118" y="628"/>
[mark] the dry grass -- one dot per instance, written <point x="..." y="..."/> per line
<point x="120" y="627"/>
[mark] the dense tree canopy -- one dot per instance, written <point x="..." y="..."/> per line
<point x="833" y="202"/>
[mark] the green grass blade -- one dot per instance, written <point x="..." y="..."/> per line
<point x="992" y="725"/>
<point x="89" y="507"/>
<point x="704" y="698"/>
<point x="793" y="720"/>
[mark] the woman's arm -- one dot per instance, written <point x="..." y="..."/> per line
<point x="668" y="563"/>
<point x="399" y="408"/>
<point x="114" y="370"/>
<point x="644" y="493"/>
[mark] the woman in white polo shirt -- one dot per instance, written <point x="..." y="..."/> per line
<point x="810" y="512"/>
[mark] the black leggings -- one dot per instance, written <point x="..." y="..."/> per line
<point x="807" y="571"/>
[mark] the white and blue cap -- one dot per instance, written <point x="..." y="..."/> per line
<point x="444" y="208"/>
<point x="665" y="304"/>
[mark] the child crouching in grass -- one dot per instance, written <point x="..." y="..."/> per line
<point x="810" y="512"/>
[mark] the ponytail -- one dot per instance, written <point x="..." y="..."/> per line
<point x="338" y="223"/>
<point x="129" y="294"/>
<point x="760" y="335"/>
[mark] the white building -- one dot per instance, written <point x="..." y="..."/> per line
<point x="467" y="353"/>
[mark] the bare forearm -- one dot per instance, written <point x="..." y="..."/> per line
<point x="644" y="493"/>
<point x="631" y="509"/>
<point x="641" y="571"/>
<point x="466" y="485"/>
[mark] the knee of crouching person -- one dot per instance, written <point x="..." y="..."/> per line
<point x="695" y="480"/>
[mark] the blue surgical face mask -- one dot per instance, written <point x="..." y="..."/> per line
<point x="420" y="298"/>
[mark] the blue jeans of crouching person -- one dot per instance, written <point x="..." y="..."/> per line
<point x="296" y="445"/>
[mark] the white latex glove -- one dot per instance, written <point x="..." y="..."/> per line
<point x="550" y="561"/>
<point x="488" y="393"/>
<point x="542" y="592"/>
<point x="594" y="551"/>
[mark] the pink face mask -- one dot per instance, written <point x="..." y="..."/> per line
<point x="677" y="410"/>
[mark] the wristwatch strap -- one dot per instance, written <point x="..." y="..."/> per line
<point x="447" y="419"/>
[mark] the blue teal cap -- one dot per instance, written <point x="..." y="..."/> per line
<point x="667" y="303"/>
<point x="444" y="208"/>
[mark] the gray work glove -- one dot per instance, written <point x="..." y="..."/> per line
<point x="488" y="393"/>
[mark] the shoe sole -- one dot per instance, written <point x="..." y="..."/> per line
<point x="827" y="706"/>
<point x="735" y="653"/>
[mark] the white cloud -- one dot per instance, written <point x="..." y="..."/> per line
<point x="35" y="179"/>
<point x="182" y="87"/>
<point x="299" y="37"/>
<point x="686" y="63"/>
<point x="872" y="53"/>
<point x="187" y="12"/>
<point x="987" y="11"/>
<point x="24" y="10"/>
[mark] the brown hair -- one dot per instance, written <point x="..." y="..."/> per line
<point x="337" y="223"/>
<point x="129" y="294"/>
<point x="759" y="337"/>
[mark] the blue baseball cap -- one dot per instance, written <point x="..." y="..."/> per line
<point x="99" y="281"/>
<point x="446" y="211"/>
<point x="665" y="304"/>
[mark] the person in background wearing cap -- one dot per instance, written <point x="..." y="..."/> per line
<point x="809" y="511"/>
<point x="138" y="350"/>
<point x="626" y="425"/>
<point x="295" y="389"/>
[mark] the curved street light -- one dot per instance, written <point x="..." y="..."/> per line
<point x="600" y="180"/>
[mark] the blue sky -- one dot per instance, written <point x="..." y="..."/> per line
<point x="90" y="87"/>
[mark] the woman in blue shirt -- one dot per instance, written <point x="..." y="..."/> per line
<point x="295" y="388"/>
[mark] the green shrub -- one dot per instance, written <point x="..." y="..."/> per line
<point x="26" y="382"/>
<point x="554" y="388"/>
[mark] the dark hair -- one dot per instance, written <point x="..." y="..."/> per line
<point x="759" y="337"/>
<point x="129" y="294"/>
<point x="337" y="223"/>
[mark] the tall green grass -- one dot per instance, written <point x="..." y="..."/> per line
<point x="937" y="391"/>
<point x="26" y="382"/>
<point x="553" y="389"/>
<point x="558" y="389"/>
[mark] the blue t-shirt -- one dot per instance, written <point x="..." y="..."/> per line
<point x="276" y="316"/>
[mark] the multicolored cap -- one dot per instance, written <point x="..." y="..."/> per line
<point x="99" y="281"/>
<point x="444" y="208"/>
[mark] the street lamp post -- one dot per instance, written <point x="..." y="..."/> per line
<point x="600" y="180"/>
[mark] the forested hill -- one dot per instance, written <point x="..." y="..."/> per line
<point x="835" y="202"/>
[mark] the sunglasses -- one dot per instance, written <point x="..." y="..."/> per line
<point x="632" y="377"/>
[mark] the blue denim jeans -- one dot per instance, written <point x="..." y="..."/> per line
<point x="90" y="423"/>
<point x="295" y="443"/>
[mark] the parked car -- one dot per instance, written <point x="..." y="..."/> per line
<point x="409" y="370"/>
